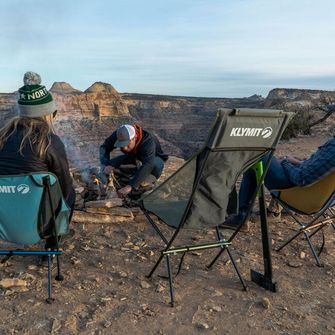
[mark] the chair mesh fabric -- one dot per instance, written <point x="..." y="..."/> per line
<point x="22" y="200"/>
<point x="198" y="193"/>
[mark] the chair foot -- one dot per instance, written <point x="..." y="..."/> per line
<point x="49" y="300"/>
<point x="59" y="277"/>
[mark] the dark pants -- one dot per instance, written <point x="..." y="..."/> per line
<point x="275" y="179"/>
<point x="124" y="159"/>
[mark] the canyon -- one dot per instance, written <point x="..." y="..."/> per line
<point x="86" y="118"/>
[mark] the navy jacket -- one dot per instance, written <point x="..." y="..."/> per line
<point x="146" y="151"/>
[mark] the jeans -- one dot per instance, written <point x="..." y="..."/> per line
<point x="124" y="159"/>
<point x="275" y="179"/>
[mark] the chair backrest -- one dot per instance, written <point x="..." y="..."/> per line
<point x="312" y="198"/>
<point x="197" y="194"/>
<point x="26" y="208"/>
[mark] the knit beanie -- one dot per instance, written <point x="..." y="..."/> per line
<point x="34" y="99"/>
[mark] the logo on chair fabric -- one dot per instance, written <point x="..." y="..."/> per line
<point x="266" y="132"/>
<point x="22" y="188"/>
<point x="254" y="132"/>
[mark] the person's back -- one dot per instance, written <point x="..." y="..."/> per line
<point x="28" y="142"/>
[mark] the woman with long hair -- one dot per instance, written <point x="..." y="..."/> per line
<point x="28" y="142"/>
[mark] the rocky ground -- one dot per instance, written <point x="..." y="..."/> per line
<point x="105" y="290"/>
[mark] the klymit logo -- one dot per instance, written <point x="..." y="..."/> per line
<point x="23" y="189"/>
<point x="254" y="132"/>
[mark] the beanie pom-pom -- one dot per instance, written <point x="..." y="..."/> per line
<point x="31" y="78"/>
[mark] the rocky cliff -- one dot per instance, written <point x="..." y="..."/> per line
<point x="98" y="101"/>
<point x="291" y="96"/>
<point x="86" y="118"/>
<point x="182" y="121"/>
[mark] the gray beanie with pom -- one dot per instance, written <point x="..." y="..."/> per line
<point x="34" y="99"/>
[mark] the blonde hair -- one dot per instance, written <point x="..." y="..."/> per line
<point x="36" y="132"/>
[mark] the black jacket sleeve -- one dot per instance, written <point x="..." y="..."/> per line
<point x="147" y="152"/>
<point x="106" y="148"/>
<point x="57" y="163"/>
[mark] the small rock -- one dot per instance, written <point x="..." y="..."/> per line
<point x="123" y="274"/>
<point x="266" y="303"/>
<point x="32" y="267"/>
<point x="56" y="325"/>
<point x="294" y="264"/>
<point x="145" y="284"/>
<point x="302" y="255"/>
<point x="160" y="288"/>
<point x="202" y="326"/>
<point x="216" y="308"/>
<point x="71" y="324"/>
<point x="107" y="324"/>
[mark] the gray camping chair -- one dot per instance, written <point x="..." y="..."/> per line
<point x="197" y="195"/>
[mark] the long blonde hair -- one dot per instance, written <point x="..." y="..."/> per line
<point x="36" y="132"/>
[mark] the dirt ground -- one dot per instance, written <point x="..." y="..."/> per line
<point x="105" y="290"/>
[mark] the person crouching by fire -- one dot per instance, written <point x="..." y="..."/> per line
<point x="28" y="142"/>
<point x="136" y="144"/>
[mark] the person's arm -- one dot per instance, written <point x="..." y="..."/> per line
<point x="315" y="167"/>
<point x="106" y="148"/>
<point x="57" y="162"/>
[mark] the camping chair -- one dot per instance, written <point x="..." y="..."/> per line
<point x="32" y="208"/>
<point x="197" y="195"/>
<point x="316" y="203"/>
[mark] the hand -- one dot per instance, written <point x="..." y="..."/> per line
<point x="293" y="160"/>
<point x="108" y="169"/>
<point x="124" y="191"/>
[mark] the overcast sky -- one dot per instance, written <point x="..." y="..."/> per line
<point x="213" y="48"/>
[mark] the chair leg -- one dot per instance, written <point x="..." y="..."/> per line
<point x="289" y="240"/>
<point x="216" y="258"/>
<point x="49" y="300"/>
<point x="170" y="280"/>
<point x="155" y="267"/>
<point x="59" y="276"/>
<point x="237" y="270"/>
<point x="318" y="262"/>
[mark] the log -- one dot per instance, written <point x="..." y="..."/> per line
<point x="108" y="203"/>
<point x="85" y="217"/>
<point x="115" y="211"/>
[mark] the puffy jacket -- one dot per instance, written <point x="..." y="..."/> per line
<point x="147" y="149"/>
<point x="55" y="161"/>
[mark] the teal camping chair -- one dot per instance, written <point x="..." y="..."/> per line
<point x="32" y="209"/>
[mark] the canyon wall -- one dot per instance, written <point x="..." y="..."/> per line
<point x="86" y="118"/>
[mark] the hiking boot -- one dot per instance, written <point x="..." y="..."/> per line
<point x="271" y="217"/>
<point x="234" y="221"/>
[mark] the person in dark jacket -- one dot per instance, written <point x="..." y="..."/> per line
<point x="28" y="142"/>
<point x="135" y="144"/>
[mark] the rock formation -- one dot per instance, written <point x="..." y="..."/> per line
<point x="98" y="101"/>
<point x="86" y="118"/>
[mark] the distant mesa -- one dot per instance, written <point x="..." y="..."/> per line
<point x="62" y="87"/>
<point x="255" y="97"/>
<point x="100" y="87"/>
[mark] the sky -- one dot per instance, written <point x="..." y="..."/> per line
<point x="204" y="48"/>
